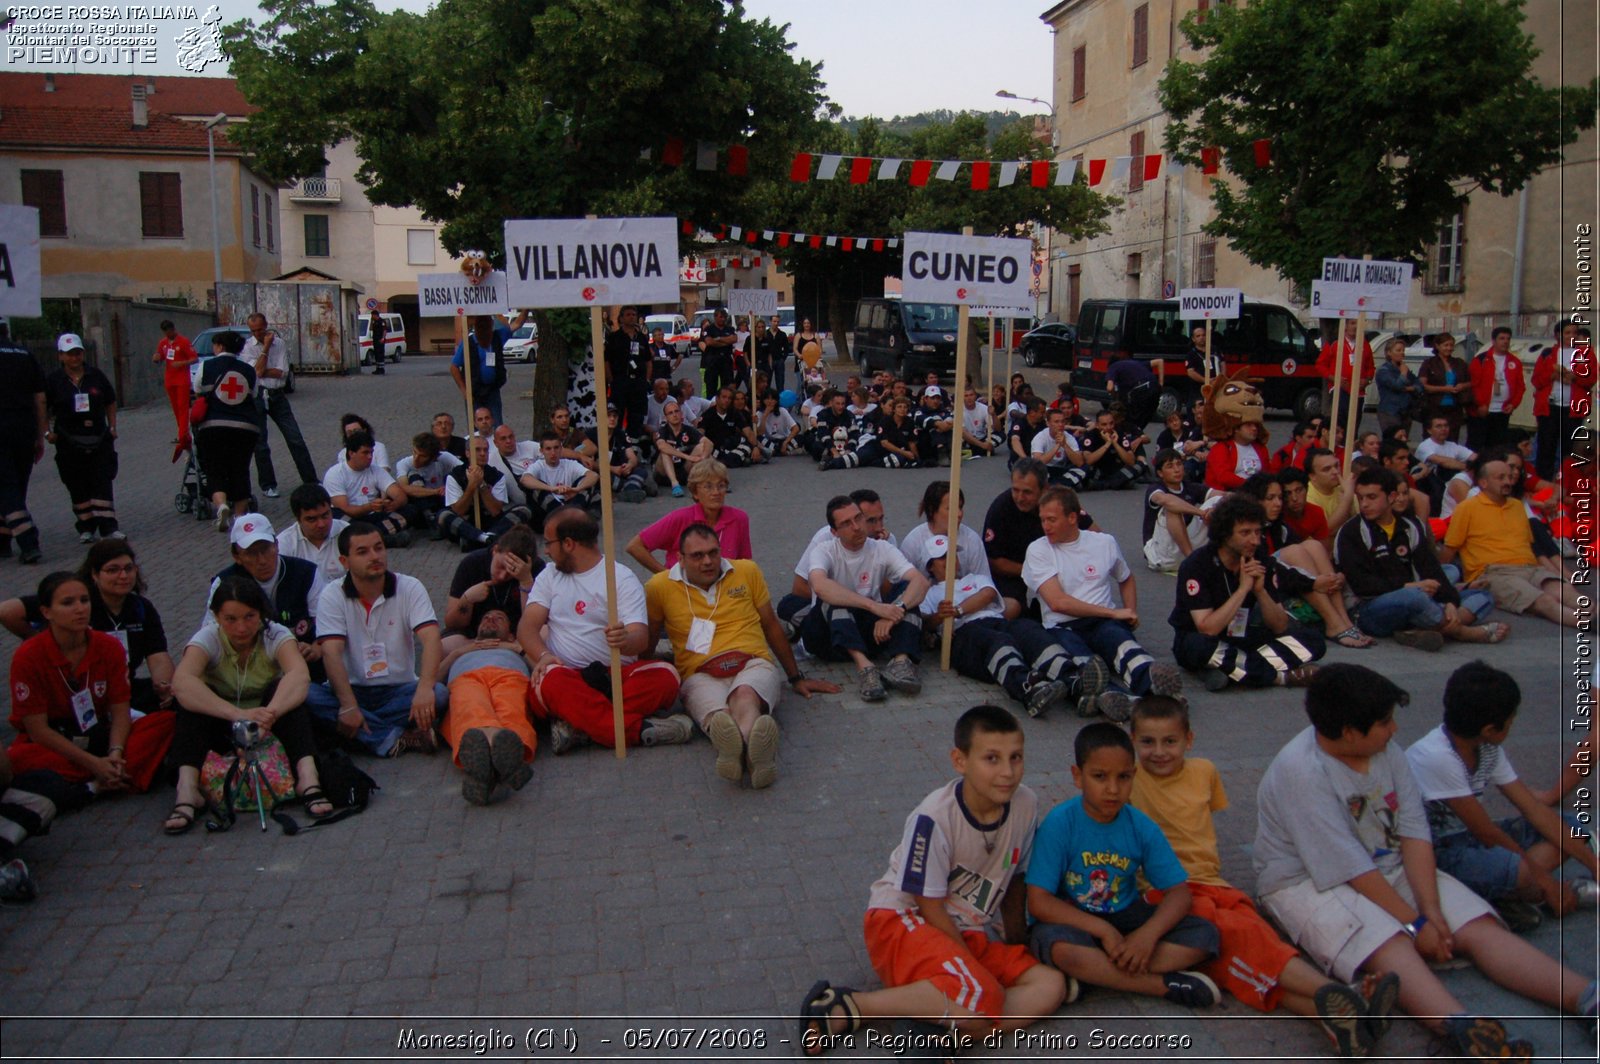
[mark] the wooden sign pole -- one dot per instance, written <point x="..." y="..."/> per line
<point x="988" y="391"/>
<point x="1353" y="418"/>
<point x="608" y="534"/>
<point x="953" y="505"/>
<point x="468" y="371"/>
<point x="1332" y="415"/>
<point x="1208" y="351"/>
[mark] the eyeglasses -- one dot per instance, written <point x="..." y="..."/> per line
<point x="118" y="570"/>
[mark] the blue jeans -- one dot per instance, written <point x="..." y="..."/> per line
<point x="1412" y="607"/>
<point x="385" y="710"/>
<point x="1489" y="871"/>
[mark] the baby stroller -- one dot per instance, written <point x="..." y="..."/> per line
<point x="192" y="496"/>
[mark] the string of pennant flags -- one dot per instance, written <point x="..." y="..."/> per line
<point x="981" y="173"/>
<point x="784" y="238"/>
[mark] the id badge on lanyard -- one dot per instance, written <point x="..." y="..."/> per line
<point x="377" y="663"/>
<point x="1240" y="622"/>
<point x="701" y="632"/>
<point x="80" y="402"/>
<point x="83" y="709"/>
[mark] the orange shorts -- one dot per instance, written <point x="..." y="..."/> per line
<point x="1252" y="954"/>
<point x="904" y="949"/>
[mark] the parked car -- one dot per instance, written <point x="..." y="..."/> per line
<point x="702" y="318"/>
<point x="1049" y="345"/>
<point x="674" y="329"/>
<point x="524" y="344"/>
<point x="786" y="319"/>
<point x="1266" y="340"/>
<point x="907" y="338"/>
<point x="202" y="347"/>
<point x="394" y="338"/>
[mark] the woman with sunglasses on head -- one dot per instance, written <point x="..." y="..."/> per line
<point x="117" y="607"/>
<point x="69" y="701"/>
<point x="242" y="668"/>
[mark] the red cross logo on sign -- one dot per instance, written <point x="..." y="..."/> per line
<point x="232" y="388"/>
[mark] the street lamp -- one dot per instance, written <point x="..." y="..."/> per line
<point x="1007" y="94"/>
<point x="211" y="124"/>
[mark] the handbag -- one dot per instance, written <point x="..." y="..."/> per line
<point x="230" y="790"/>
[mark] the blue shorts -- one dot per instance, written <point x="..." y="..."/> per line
<point x="1190" y="931"/>
<point x="1489" y="871"/>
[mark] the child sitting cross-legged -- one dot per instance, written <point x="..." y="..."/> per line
<point x="1259" y="968"/>
<point x="1507" y="861"/>
<point x="932" y="919"/>
<point x="1345" y="865"/>
<point x="1092" y="923"/>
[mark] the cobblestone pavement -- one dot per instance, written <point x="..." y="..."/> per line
<point x="644" y="893"/>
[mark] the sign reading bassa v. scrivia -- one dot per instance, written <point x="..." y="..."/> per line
<point x="442" y="295"/>
<point x="586" y="262"/>
<point x="975" y="270"/>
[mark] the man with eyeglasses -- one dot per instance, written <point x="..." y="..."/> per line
<point x="729" y="647"/>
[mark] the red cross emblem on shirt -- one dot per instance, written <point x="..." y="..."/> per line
<point x="232" y="387"/>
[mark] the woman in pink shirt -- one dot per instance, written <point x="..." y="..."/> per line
<point x="708" y="486"/>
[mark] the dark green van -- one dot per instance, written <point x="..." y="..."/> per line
<point x="908" y="339"/>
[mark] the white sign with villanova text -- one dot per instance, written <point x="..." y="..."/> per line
<point x="19" y="261"/>
<point x="592" y="262"/>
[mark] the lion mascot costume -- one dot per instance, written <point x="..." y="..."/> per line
<point x="1233" y="401"/>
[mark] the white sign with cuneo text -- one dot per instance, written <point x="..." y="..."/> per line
<point x="19" y="262"/>
<point x="990" y="271"/>
<point x="590" y="262"/>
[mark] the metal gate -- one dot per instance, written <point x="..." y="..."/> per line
<point x="315" y="319"/>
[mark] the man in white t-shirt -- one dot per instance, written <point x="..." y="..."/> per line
<point x="977" y="431"/>
<point x="847" y="573"/>
<point x="554" y="482"/>
<point x="362" y="490"/>
<point x="421" y="475"/>
<point x="477" y="509"/>
<point x="566" y="634"/>
<point x="314" y="536"/>
<point x="368" y="625"/>
<point x="514" y="458"/>
<point x="1089" y="602"/>
<point x="1058" y="450"/>
<point x="1441" y="452"/>
<point x="793" y="607"/>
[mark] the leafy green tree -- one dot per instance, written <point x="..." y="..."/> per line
<point x="481" y="110"/>
<point x="1379" y="112"/>
<point x="890" y="208"/>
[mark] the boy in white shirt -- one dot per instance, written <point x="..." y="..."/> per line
<point x="554" y="482"/>
<point x="361" y="489"/>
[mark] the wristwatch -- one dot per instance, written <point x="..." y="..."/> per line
<point x="796" y="677"/>
<point x="1415" y="926"/>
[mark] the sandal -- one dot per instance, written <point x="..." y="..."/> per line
<point x="1352" y="639"/>
<point x="816" y="1016"/>
<point x="314" y="796"/>
<point x="1495" y="632"/>
<point x="186" y="819"/>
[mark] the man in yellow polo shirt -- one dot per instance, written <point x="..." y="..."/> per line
<point x="724" y="636"/>
<point x="1326" y="489"/>
<point x="1490" y="532"/>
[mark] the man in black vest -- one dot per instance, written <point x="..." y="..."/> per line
<point x="628" y="362"/>
<point x="290" y="584"/>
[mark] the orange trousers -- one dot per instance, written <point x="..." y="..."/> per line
<point x="489" y="698"/>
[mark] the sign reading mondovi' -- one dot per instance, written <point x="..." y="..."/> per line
<point x="19" y="261"/>
<point x="1198" y="304"/>
<point x="441" y="295"/>
<point x="975" y="270"/>
<point x="763" y="301"/>
<point x="585" y="262"/>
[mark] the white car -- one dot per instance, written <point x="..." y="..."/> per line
<point x="674" y="329"/>
<point x="524" y="344"/>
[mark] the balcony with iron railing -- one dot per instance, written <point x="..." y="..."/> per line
<point x="316" y="190"/>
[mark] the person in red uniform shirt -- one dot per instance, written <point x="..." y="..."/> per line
<point x="174" y="351"/>
<point x="69" y="700"/>
<point x="1325" y="366"/>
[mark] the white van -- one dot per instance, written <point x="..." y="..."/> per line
<point x="394" y="338"/>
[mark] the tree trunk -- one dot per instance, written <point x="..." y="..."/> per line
<point x="549" y="374"/>
<point x="839" y="322"/>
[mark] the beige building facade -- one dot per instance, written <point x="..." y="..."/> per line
<point x="1503" y="260"/>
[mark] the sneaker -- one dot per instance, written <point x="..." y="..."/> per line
<point x="271" y="493"/>
<point x="1299" y="676"/>
<point x="1521" y="917"/>
<point x="1040" y="695"/>
<point x="870" y="684"/>
<point x="633" y="495"/>
<point x="478" y="763"/>
<point x="1482" y="1038"/>
<point x="1192" y="989"/>
<point x="1215" y="680"/>
<point x="89" y="537"/>
<point x="667" y="731"/>
<point x="723" y="732"/>
<point x="420" y="740"/>
<point x="1587" y="891"/>
<point x="1341" y="1013"/>
<point x="1092" y="678"/>
<point x="1116" y="704"/>
<point x="1420" y="639"/>
<point x="31" y="555"/>
<point x="115" y="533"/>
<point x="224" y="515"/>
<point x="564" y="738"/>
<point x="763" y="752"/>
<point x="16" y="883"/>
<point x="677" y="491"/>
<point x="401" y="538"/>
<point x="510" y="767"/>
<point x="1382" y="995"/>
<point x="791" y="631"/>
<point x="1166" y="680"/>
<point x="901" y="675"/>
<point x="651" y="489"/>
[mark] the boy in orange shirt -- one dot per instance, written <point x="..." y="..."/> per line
<point x="1254" y="963"/>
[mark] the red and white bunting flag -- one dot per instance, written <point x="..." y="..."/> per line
<point x="889" y="169"/>
<point x="735" y="232"/>
<point x="920" y="169"/>
<point x="739" y="160"/>
<point x="1121" y="166"/>
<point x="1097" y="170"/>
<point x="1152" y="167"/>
<point x="1065" y="172"/>
<point x="846" y="243"/>
<point x="829" y="167"/>
<point x="814" y="241"/>
<point x="766" y="234"/>
<point x="783" y="240"/>
<point x="1210" y="160"/>
<point x="672" y="152"/>
<point x="688" y="230"/>
<point x="800" y="167"/>
<point x="1263" y="150"/>
<point x="750" y="236"/>
<point x="877" y="245"/>
<point x="860" y="170"/>
<point x="1039" y="173"/>
<point x="832" y="241"/>
<point x="947" y="170"/>
<point x="705" y="156"/>
<point x="1008" y="173"/>
<point x="755" y="263"/>
<point x="980" y="175"/>
<point x="894" y="242"/>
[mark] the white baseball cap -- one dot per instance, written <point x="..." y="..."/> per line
<point x="932" y="389"/>
<point x="250" y="529"/>
<point x="69" y="342"/>
<point x="938" y="547"/>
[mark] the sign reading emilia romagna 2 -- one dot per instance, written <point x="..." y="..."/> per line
<point x="975" y="270"/>
<point x="441" y="295"/>
<point x="589" y="262"/>
<point x="1361" y="286"/>
<point x="19" y="262"/>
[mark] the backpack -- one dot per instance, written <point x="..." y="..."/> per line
<point x="345" y="785"/>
